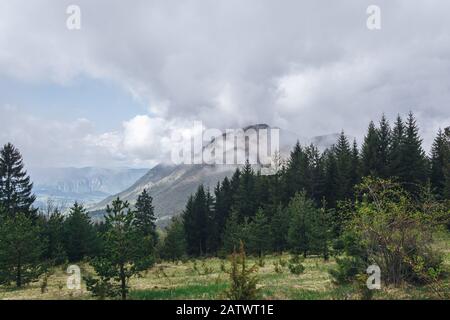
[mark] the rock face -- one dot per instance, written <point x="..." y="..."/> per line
<point x="87" y="185"/>
<point x="171" y="185"/>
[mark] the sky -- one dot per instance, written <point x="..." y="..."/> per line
<point x="113" y="92"/>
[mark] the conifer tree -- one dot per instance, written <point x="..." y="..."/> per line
<point x="279" y="228"/>
<point x="397" y="150"/>
<point x="174" y="245"/>
<point x="440" y="162"/>
<point x="123" y="254"/>
<point x="145" y="216"/>
<point x="79" y="234"/>
<point x="369" y="152"/>
<point x="53" y="231"/>
<point x="344" y="167"/>
<point x="415" y="164"/>
<point x="384" y="138"/>
<point x="21" y="250"/>
<point x="15" y="187"/>
<point x="301" y="212"/>
<point x="259" y="237"/>
<point x="244" y="199"/>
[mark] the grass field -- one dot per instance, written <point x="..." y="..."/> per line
<point x="205" y="279"/>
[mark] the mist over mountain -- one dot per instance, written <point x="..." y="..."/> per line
<point x="171" y="185"/>
<point x="87" y="185"/>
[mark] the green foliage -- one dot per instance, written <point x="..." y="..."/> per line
<point x="21" y="250"/>
<point x="80" y="239"/>
<point x="174" y="244"/>
<point x="145" y="217"/>
<point x="390" y="230"/>
<point x="243" y="282"/>
<point x="125" y="253"/>
<point x="15" y="186"/>
<point x="259" y="238"/>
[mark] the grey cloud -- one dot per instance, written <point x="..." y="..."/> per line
<point x="307" y="66"/>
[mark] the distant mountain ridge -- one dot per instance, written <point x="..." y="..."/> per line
<point x="171" y="185"/>
<point x="86" y="185"/>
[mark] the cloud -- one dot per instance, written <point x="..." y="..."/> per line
<point x="311" y="67"/>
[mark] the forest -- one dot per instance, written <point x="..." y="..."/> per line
<point x="384" y="203"/>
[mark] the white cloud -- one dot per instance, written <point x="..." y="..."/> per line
<point x="307" y="66"/>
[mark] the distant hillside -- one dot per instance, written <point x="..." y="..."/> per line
<point x="87" y="185"/>
<point x="171" y="185"/>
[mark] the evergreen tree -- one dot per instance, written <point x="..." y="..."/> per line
<point x="369" y="152"/>
<point x="196" y="218"/>
<point x="331" y="178"/>
<point x="174" y="246"/>
<point x="21" y="249"/>
<point x="259" y="237"/>
<point x="440" y="162"/>
<point x="344" y="167"/>
<point x="80" y="238"/>
<point x="396" y="153"/>
<point x="279" y="229"/>
<point x="145" y="216"/>
<point x="234" y="233"/>
<point x="356" y="166"/>
<point x="53" y="231"/>
<point x="244" y="199"/>
<point x="301" y="212"/>
<point x="124" y="254"/>
<point x="15" y="186"/>
<point x="414" y="160"/>
<point x="384" y="139"/>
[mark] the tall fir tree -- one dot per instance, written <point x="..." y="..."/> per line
<point x="80" y="238"/>
<point x="415" y="166"/>
<point x="124" y="254"/>
<point x="344" y="167"/>
<point x="259" y="237"/>
<point x="440" y="162"/>
<point x="244" y="199"/>
<point x="384" y="139"/>
<point x="174" y="245"/>
<point x="145" y="216"/>
<point x="15" y="186"/>
<point x="369" y="152"/>
<point x="21" y="250"/>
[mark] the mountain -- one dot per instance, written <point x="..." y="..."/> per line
<point x="86" y="185"/>
<point x="171" y="185"/>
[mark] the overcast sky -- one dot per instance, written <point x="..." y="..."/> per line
<point x="111" y="93"/>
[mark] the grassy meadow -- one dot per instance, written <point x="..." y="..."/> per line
<point x="206" y="279"/>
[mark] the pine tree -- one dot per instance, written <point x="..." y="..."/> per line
<point x="244" y="199"/>
<point x="259" y="237"/>
<point x="234" y="233"/>
<point x="53" y="231"/>
<point x="15" y="186"/>
<point x="279" y="229"/>
<point x="21" y="250"/>
<point x="174" y="246"/>
<point x="123" y="256"/>
<point x="414" y="160"/>
<point x="80" y="238"/>
<point x="196" y="218"/>
<point x="331" y="178"/>
<point x="440" y="162"/>
<point x="301" y="212"/>
<point x="396" y="153"/>
<point x="356" y="166"/>
<point x="369" y="152"/>
<point x="145" y="217"/>
<point x="383" y="156"/>
<point x="344" y="167"/>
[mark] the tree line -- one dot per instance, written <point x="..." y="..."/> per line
<point x="315" y="203"/>
<point x="305" y="205"/>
